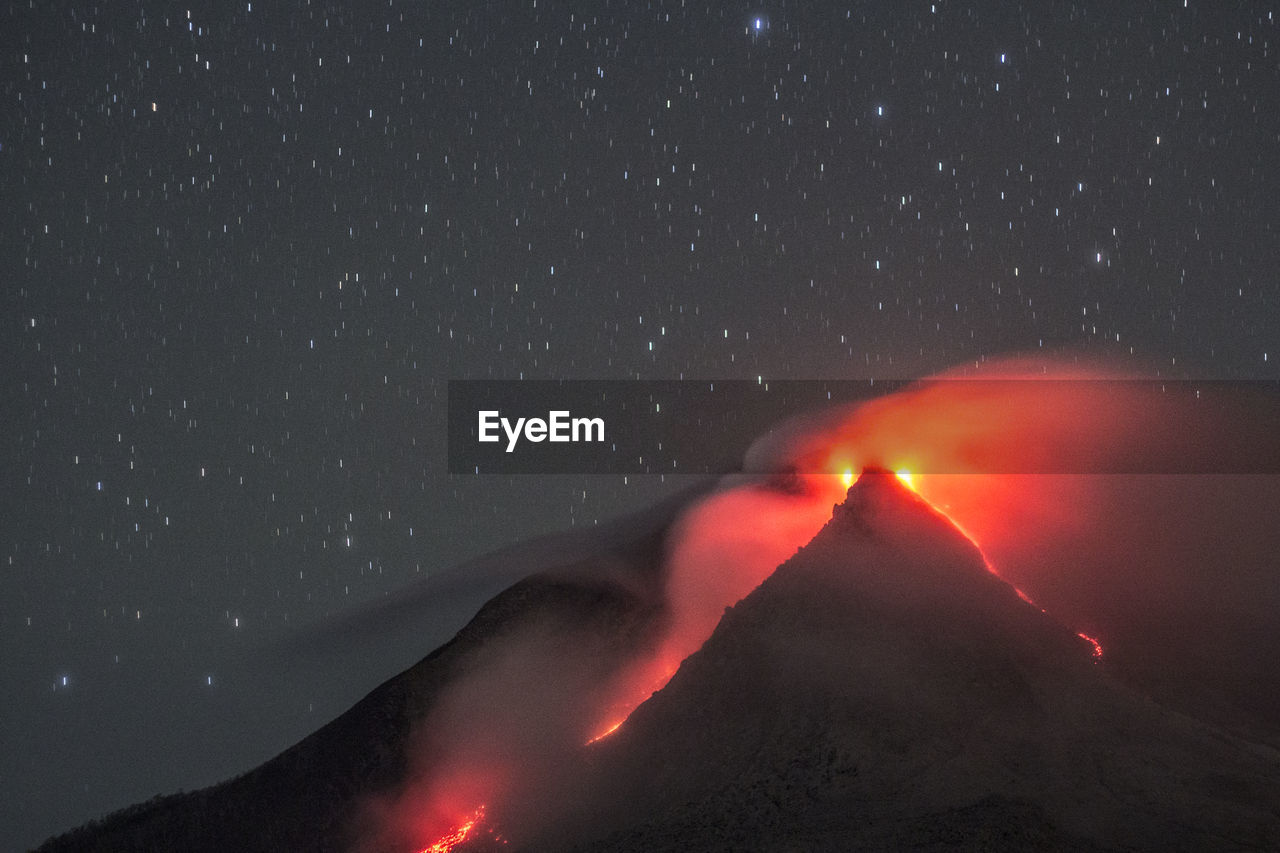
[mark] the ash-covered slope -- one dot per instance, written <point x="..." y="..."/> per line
<point x="884" y="690"/>
<point x="881" y="690"/>
<point x="312" y="796"/>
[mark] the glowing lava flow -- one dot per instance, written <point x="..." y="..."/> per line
<point x="722" y="549"/>
<point x="457" y="835"/>
<point x="622" y="711"/>
<point x="604" y="734"/>
<point x="905" y="476"/>
<point x="1097" y="647"/>
<point x="847" y="478"/>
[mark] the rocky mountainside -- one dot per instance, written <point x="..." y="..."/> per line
<point x="311" y="796"/>
<point x="883" y="689"/>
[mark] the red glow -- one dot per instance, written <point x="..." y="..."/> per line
<point x="608" y="731"/>
<point x="631" y="689"/>
<point x="501" y="735"/>
<point x="1097" y="647"/>
<point x="457" y="835"/>
<point x="724" y="548"/>
<point x="987" y="456"/>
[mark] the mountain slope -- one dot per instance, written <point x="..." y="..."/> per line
<point x="313" y="796"/>
<point x="881" y="689"/>
<point x="884" y="689"/>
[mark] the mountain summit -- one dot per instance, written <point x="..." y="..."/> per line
<point x="882" y="689"/>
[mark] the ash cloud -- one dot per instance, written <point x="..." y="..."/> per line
<point x="584" y="646"/>
<point x="1138" y="511"/>
<point x="1105" y="500"/>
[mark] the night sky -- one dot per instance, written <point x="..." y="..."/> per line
<point x="245" y="246"/>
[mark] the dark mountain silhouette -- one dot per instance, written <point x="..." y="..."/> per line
<point x="884" y="690"/>
<point x="310" y="796"/>
<point x="881" y="690"/>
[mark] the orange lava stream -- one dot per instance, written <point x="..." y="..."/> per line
<point x="905" y="477"/>
<point x="610" y="730"/>
<point x="619" y="715"/>
<point x="457" y="835"/>
<point x="847" y="478"/>
<point x="1097" y="647"/>
<point x="655" y="684"/>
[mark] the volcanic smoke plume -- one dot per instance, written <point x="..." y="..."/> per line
<point x="927" y="663"/>
<point x="883" y="690"/>
<point x="1123" y="510"/>
<point x="504" y="738"/>
<point x="1138" y="512"/>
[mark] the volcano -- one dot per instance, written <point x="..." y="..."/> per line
<point x="882" y="689"/>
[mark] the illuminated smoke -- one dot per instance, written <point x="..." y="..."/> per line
<point x="506" y="733"/>
<point x="908" y="480"/>
<point x="459" y="834"/>
<point x="1026" y="470"/>
<point x="1141" y="514"/>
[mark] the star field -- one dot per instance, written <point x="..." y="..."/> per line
<point x="247" y="245"/>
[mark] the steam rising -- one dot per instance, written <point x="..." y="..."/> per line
<point x="1125" y="511"/>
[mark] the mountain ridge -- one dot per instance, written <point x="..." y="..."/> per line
<point x="881" y="688"/>
<point x="313" y="795"/>
<point x="964" y="711"/>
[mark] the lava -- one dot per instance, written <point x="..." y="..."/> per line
<point x="613" y="727"/>
<point x="505" y="734"/>
<point x="457" y="835"/>
<point x="905" y="476"/>
<point x="818" y="484"/>
<point x="723" y="548"/>
<point x="633" y="688"/>
<point x="1023" y="469"/>
<point x="1097" y="647"/>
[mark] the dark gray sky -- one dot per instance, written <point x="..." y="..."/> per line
<point x="246" y="245"/>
